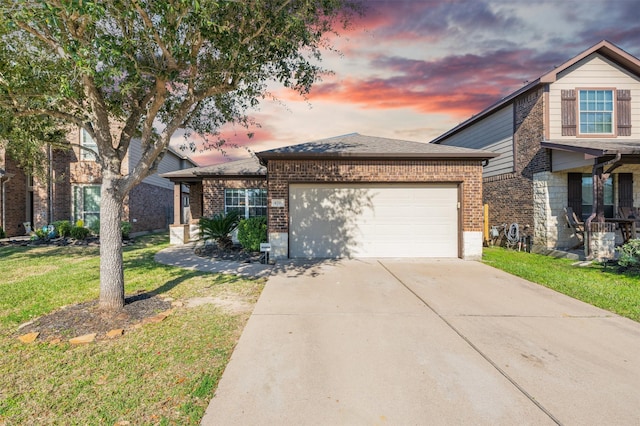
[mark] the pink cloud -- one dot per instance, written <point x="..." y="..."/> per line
<point x="237" y="144"/>
<point x="457" y="85"/>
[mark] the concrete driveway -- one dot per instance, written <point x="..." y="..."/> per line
<point x="412" y="342"/>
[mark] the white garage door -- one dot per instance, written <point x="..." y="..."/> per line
<point x="373" y="220"/>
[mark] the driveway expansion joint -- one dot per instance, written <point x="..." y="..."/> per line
<point x="475" y="348"/>
<point x="561" y="316"/>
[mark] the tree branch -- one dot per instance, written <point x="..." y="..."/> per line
<point x="171" y="62"/>
<point x="30" y="112"/>
<point x="264" y="25"/>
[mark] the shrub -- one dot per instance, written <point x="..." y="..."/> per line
<point x="95" y="227"/>
<point x="125" y="229"/>
<point x="41" y="234"/>
<point x="63" y="228"/>
<point x="629" y="254"/>
<point x="2" y="233"/>
<point x="79" y="232"/>
<point x="218" y="227"/>
<point x="252" y="232"/>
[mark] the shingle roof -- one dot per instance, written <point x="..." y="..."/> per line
<point x="355" y="145"/>
<point x="245" y="167"/>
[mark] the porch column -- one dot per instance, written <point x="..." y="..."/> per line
<point x="177" y="203"/>
<point x="178" y="232"/>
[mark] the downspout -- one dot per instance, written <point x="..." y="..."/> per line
<point x="596" y="200"/>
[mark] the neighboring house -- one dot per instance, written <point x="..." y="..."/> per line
<point x="350" y="196"/>
<point x="573" y="126"/>
<point x="71" y="190"/>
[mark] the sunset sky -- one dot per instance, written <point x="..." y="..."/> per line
<point x="412" y="69"/>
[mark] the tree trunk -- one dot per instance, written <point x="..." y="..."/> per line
<point x="111" y="263"/>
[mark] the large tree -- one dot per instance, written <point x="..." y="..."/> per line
<point x="142" y="69"/>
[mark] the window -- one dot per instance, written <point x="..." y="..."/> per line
<point x="247" y="202"/>
<point x="596" y="112"/>
<point x="86" y="203"/>
<point x="587" y="196"/>
<point x="86" y="141"/>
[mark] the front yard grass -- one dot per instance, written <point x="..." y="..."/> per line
<point x="595" y="284"/>
<point x="162" y="373"/>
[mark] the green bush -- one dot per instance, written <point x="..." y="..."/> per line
<point x="252" y="232"/>
<point x="125" y="228"/>
<point x="63" y="228"/>
<point x="629" y="254"/>
<point x="41" y="234"/>
<point x="79" y="232"/>
<point x="95" y="227"/>
<point x="2" y="233"/>
<point x="218" y="227"/>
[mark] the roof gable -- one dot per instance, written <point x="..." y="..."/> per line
<point x="249" y="167"/>
<point x="355" y="145"/>
<point x="604" y="48"/>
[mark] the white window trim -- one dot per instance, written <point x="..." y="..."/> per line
<point x="87" y="141"/>
<point x="579" y="131"/>
<point x="80" y="212"/>
<point x="246" y="206"/>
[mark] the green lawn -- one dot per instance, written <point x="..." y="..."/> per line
<point x="594" y="284"/>
<point x="163" y="373"/>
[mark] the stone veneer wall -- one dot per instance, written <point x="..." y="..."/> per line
<point x="511" y="195"/>
<point x="550" y="199"/>
<point x="283" y="172"/>
<point x="213" y="192"/>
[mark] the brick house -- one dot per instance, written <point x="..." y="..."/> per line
<point x="351" y="196"/>
<point x="71" y="190"/>
<point x="559" y="137"/>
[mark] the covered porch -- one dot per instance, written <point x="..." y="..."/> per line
<point x="598" y="181"/>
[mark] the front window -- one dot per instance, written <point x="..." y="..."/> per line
<point x="596" y="112"/>
<point x="247" y="202"/>
<point x="86" y="203"/>
<point x="86" y="141"/>
<point x="587" y="196"/>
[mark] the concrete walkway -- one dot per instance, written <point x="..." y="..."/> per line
<point x="184" y="257"/>
<point x="426" y="342"/>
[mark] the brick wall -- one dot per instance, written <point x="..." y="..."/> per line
<point x="213" y="192"/>
<point x="61" y="185"/>
<point x="510" y="196"/>
<point x="282" y="172"/>
<point x="151" y="206"/>
<point x="15" y="199"/>
<point x="195" y="201"/>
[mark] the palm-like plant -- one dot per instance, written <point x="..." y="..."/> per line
<point x="218" y="228"/>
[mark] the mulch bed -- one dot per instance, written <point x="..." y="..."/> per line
<point x="235" y="254"/>
<point x="86" y="318"/>
<point x="59" y="242"/>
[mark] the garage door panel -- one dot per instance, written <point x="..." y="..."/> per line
<point x="382" y="220"/>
